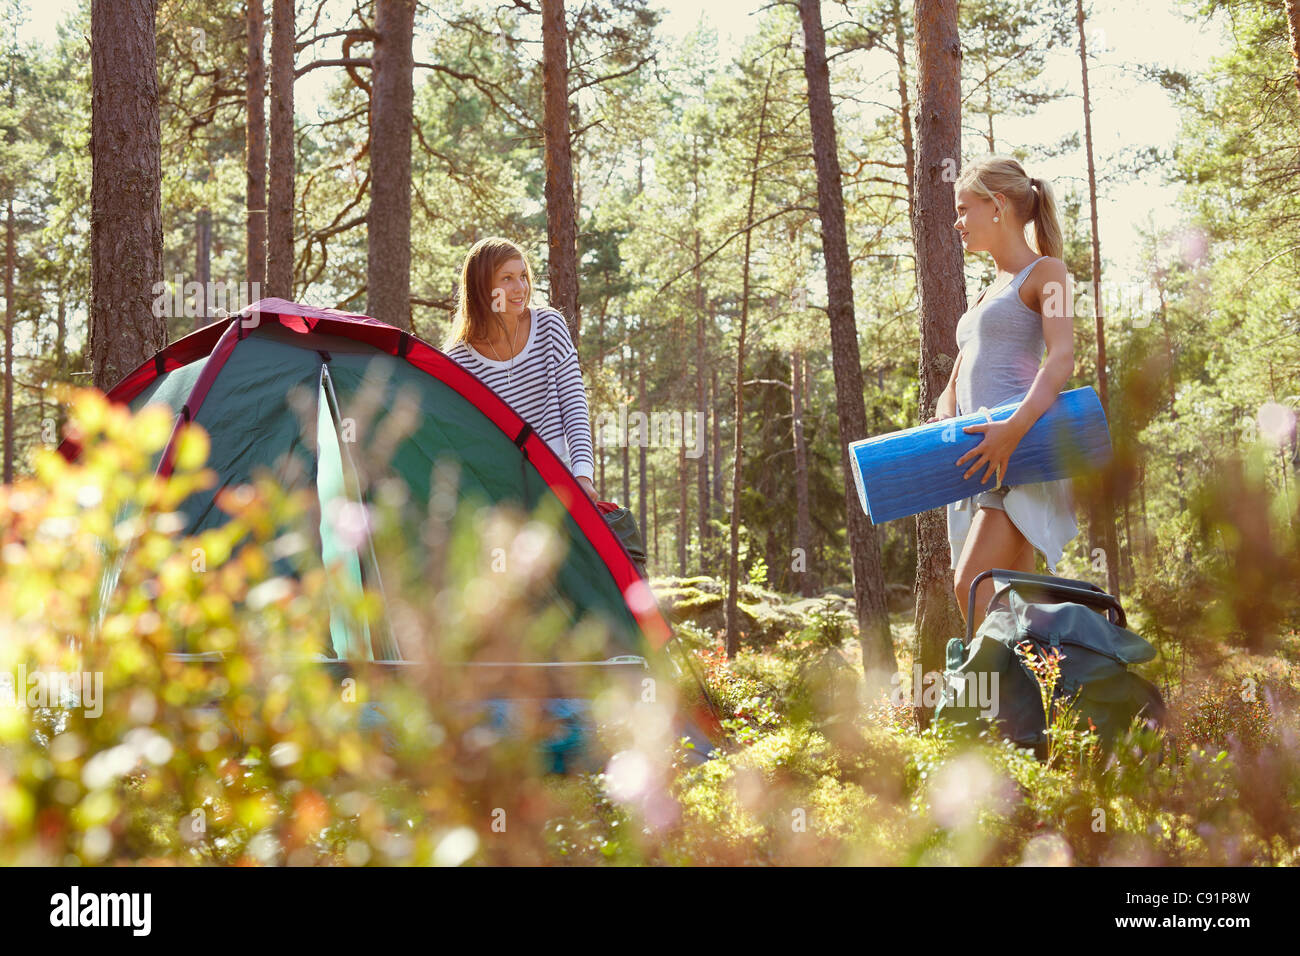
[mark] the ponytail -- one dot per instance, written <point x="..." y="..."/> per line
<point x="1047" y="224"/>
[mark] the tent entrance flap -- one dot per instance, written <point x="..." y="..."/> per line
<point x="347" y="548"/>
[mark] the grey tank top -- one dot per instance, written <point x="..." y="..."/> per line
<point x="1001" y="344"/>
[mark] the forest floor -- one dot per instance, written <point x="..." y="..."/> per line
<point x="813" y="773"/>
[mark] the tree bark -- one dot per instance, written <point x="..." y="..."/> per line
<point x="988" y="104"/>
<point x="684" y="497"/>
<point x="878" y="660"/>
<point x="11" y="315"/>
<point x="255" y="153"/>
<point x="1105" y="506"/>
<point x="202" y="265"/>
<point x="625" y="453"/>
<point x="125" y="190"/>
<point x="279" y="239"/>
<point x="905" y="108"/>
<point x="11" y="309"/>
<point x="625" y="459"/>
<point x="701" y="436"/>
<point x="654" y="515"/>
<point x="1142" y="501"/>
<point x="641" y="452"/>
<point x="61" y="338"/>
<point x="1128" y="543"/>
<point x="803" y="514"/>
<point x="717" y="443"/>
<point x="561" y="218"/>
<point x="942" y="293"/>
<point x="598" y="448"/>
<point x="1171" y="371"/>
<point x="733" y="565"/>
<point x="388" y="266"/>
<point x="1293" y="30"/>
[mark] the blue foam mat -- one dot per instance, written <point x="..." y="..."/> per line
<point x="906" y="472"/>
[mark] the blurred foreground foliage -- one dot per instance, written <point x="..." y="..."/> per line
<point x="209" y="731"/>
<point x="255" y="753"/>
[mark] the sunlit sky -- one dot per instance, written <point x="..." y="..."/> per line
<point x="1127" y="111"/>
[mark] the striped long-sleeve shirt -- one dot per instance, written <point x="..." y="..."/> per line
<point x="544" y="385"/>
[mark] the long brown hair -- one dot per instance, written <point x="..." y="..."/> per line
<point x="1032" y="199"/>
<point x="473" y="317"/>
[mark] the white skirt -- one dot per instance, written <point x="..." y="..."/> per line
<point x="1042" y="512"/>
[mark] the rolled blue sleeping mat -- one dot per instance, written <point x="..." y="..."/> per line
<point x="906" y="472"/>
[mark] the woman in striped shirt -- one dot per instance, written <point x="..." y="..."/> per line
<point x="524" y="354"/>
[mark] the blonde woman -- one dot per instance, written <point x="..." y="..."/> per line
<point x="524" y="354"/>
<point x="1024" y="316"/>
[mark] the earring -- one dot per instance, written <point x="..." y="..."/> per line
<point x="995" y="218"/>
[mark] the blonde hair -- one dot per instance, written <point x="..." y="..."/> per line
<point x="1032" y="200"/>
<point x="472" y="319"/>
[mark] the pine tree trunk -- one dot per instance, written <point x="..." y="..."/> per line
<point x="625" y="456"/>
<point x="701" y="435"/>
<point x="597" y="444"/>
<point x="388" y="263"/>
<point x="11" y="307"/>
<point x="125" y="191"/>
<point x="625" y="383"/>
<point x="561" y="218"/>
<point x="878" y="659"/>
<point x="1293" y="30"/>
<point x="279" y="228"/>
<point x="641" y="451"/>
<point x="684" y="499"/>
<point x="1142" y="502"/>
<point x="1105" y="510"/>
<point x="1128" y="543"/>
<point x="905" y="108"/>
<point x="717" y="445"/>
<point x="61" y="338"/>
<point x="203" y="265"/>
<point x="803" y="515"/>
<point x="10" y="318"/>
<point x="255" y="152"/>
<point x="654" y="515"/>
<point x="626" y="462"/>
<point x="1171" y="371"/>
<point x="988" y="106"/>
<point x="738" y="450"/>
<point x="942" y="293"/>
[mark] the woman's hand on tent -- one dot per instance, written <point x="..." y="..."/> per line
<point x="1000" y="440"/>
<point x="588" y="487"/>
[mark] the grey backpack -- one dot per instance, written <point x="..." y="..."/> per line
<point x="1085" y="623"/>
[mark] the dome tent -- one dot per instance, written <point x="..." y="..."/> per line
<point x="236" y="378"/>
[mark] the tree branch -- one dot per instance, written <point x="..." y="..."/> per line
<point x="342" y="61"/>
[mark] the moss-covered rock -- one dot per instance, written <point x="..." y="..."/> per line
<point x="697" y="600"/>
<point x="766" y="623"/>
<point x="765" y="616"/>
<point x="805" y="608"/>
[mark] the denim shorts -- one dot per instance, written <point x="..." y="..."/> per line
<point x="992" y="499"/>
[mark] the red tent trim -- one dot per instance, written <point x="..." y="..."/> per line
<point x="211" y="369"/>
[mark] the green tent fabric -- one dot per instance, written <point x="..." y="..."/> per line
<point x="242" y="378"/>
